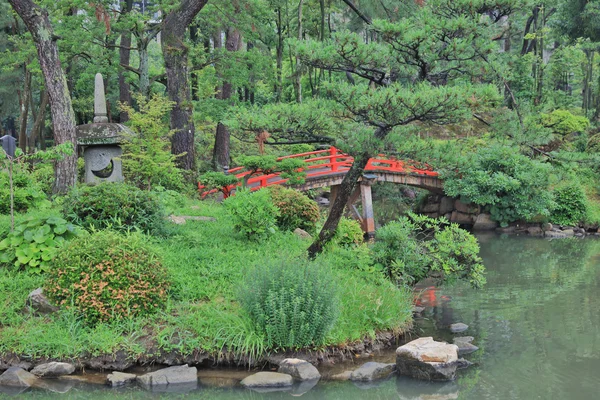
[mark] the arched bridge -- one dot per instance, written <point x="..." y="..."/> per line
<point x="328" y="167"/>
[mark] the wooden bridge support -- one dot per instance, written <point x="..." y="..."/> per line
<point x="367" y="220"/>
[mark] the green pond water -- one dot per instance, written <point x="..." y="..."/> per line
<point x="536" y="322"/>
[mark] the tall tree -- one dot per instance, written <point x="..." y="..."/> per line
<point x="175" y="53"/>
<point x="63" y="118"/>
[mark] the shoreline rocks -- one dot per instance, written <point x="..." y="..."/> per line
<point x="53" y="369"/>
<point x="267" y="380"/>
<point x="372" y="371"/>
<point x="300" y="370"/>
<point x="178" y="375"/>
<point x="426" y="359"/>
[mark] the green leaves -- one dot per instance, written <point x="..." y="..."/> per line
<point x="35" y="242"/>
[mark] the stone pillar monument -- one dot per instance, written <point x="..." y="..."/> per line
<point x="101" y="142"/>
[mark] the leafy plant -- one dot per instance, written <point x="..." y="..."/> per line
<point x="416" y="247"/>
<point x="114" y="205"/>
<point x="108" y="276"/>
<point x="348" y="232"/>
<point x="293" y="303"/>
<point x="252" y="213"/>
<point x="34" y="243"/>
<point x="147" y="157"/>
<point x="296" y="210"/>
<point x="571" y="204"/>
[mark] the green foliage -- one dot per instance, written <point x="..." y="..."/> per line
<point x="417" y="247"/>
<point x="348" y="233"/>
<point x="252" y="213"/>
<point x="218" y="180"/>
<point x="254" y="164"/>
<point x="114" y="205"/>
<point x="293" y="303"/>
<point x="28" y="193"/>
<point x="563" y="122"/>
<point x="35" y="242"/>
<point x="43" y="175"/>
<point x="108" y="276"/>
<point x="290" y="169"/>
<point x="147" y="158"/>
<point x="296" y="210"/>
<point x="512" y="186"/>
<point x="571" y="204"/>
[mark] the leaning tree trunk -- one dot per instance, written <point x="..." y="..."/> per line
<point x="337" y="208"/>
<point x="175" y="53"/>
<point x="124" y="59"/>
<point x="63" y="117"/>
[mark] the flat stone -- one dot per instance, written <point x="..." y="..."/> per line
<point x="301" y="233"/>
<point x="535" y="231"/>
<point x="267" y="379"/>
<point x="484" y="222"/>
<point x="462" y="339"/>
<point x="458" y="327"/>
<point x="120" y="379"/>
<point x="466" y="348"/>
<point x="17" y="377"/>
<point x="555" y="234"/>
<point x="300" y="370"/>
<point x="176" y="220"/>
<point x="344" y="376"/>
<point x="53" y="369"/>
<point x="181" y="374"/>
<point x="372" y="371"/>
<point x="426" y="359"/>
<point x="431" y="208"/>
<point x="37" y="302"/>
<point x="568" y="232"/>
<point x="461" y="218"/>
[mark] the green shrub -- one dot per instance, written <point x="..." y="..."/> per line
<point x="27" y="192"/>
<point x="43" y="175"/>
<point x="108" y="276"/>
<point x="252" y="213"/>
<point x="510" y="185"/>
<point x="571" y="205"/>
<point x="294" y="303"/>
<point x="35" y="242"/>
<point x="296" y="210"/>
<point x="218" y="180"/>
<point x="348" y="233"/>
<point x="114" y="205"/>
<point x="417" y="247"/>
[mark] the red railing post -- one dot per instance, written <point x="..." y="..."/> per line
<point x="333" y="159"/>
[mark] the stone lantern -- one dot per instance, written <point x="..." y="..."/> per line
<point x="101" y="141"/>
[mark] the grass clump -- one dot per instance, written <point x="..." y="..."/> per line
<point x="296" y="210"/>
<point x="117" y="206"/>
<point x="252" y="213"/>
<point x="108" y="276"/>
<point x="292" y="302"/>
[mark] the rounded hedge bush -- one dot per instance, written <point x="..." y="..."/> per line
<point x="108" y="276"/>
<point x="294" y="303"/>
<point x="117" y="206"/>
<point x="571" y="204"/>
<point x="296" y="210"/>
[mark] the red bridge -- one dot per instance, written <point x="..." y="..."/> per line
<point x="328" y="167"/>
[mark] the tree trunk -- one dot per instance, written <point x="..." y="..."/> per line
<point x="144" y="68"/>
<point x="38" y="124"/>
<point x="175" y="53"/>
<point x="279" y="84"/>
<point x="24" y="99"/>
<point x="222" y="136"/>
<point x="337" y="208"/>
<point x="124" y="59"/>
<point x="63" y="118"/>
<point x="298" y="76"/>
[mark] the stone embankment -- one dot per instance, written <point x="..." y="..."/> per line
<point x="472" y="216"/>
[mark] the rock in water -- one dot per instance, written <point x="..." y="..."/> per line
<point x="181" y="374"/>
<point x="426" y="359"/>
<point x="463" y="339"/>
<point x="119" y="379"/>
<point x="17" y="377"/>
<point x="464" y="345"/>
<point x="300" y="370"/>
<point x="267" y="379"/>
<point x="372" y="371"/>
<point x="458" y="327"/>
<point x="53" y="369"/>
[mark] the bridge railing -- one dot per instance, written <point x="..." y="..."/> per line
<point x="320" y="163"/>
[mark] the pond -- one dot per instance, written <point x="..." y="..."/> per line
<point x="536" y="323"/>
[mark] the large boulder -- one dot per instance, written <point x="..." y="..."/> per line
<point x="426" y="359"/>
<point x="17" y="377"/>
<point x="267" y="380"/>
<point x="484" y="222"/>
<point x="53" y="369"/>
<point x="372" y="371"/>
<point x="300" y="370"/>
<point x="37" y="302"/>
<point x="178" y="375"/>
